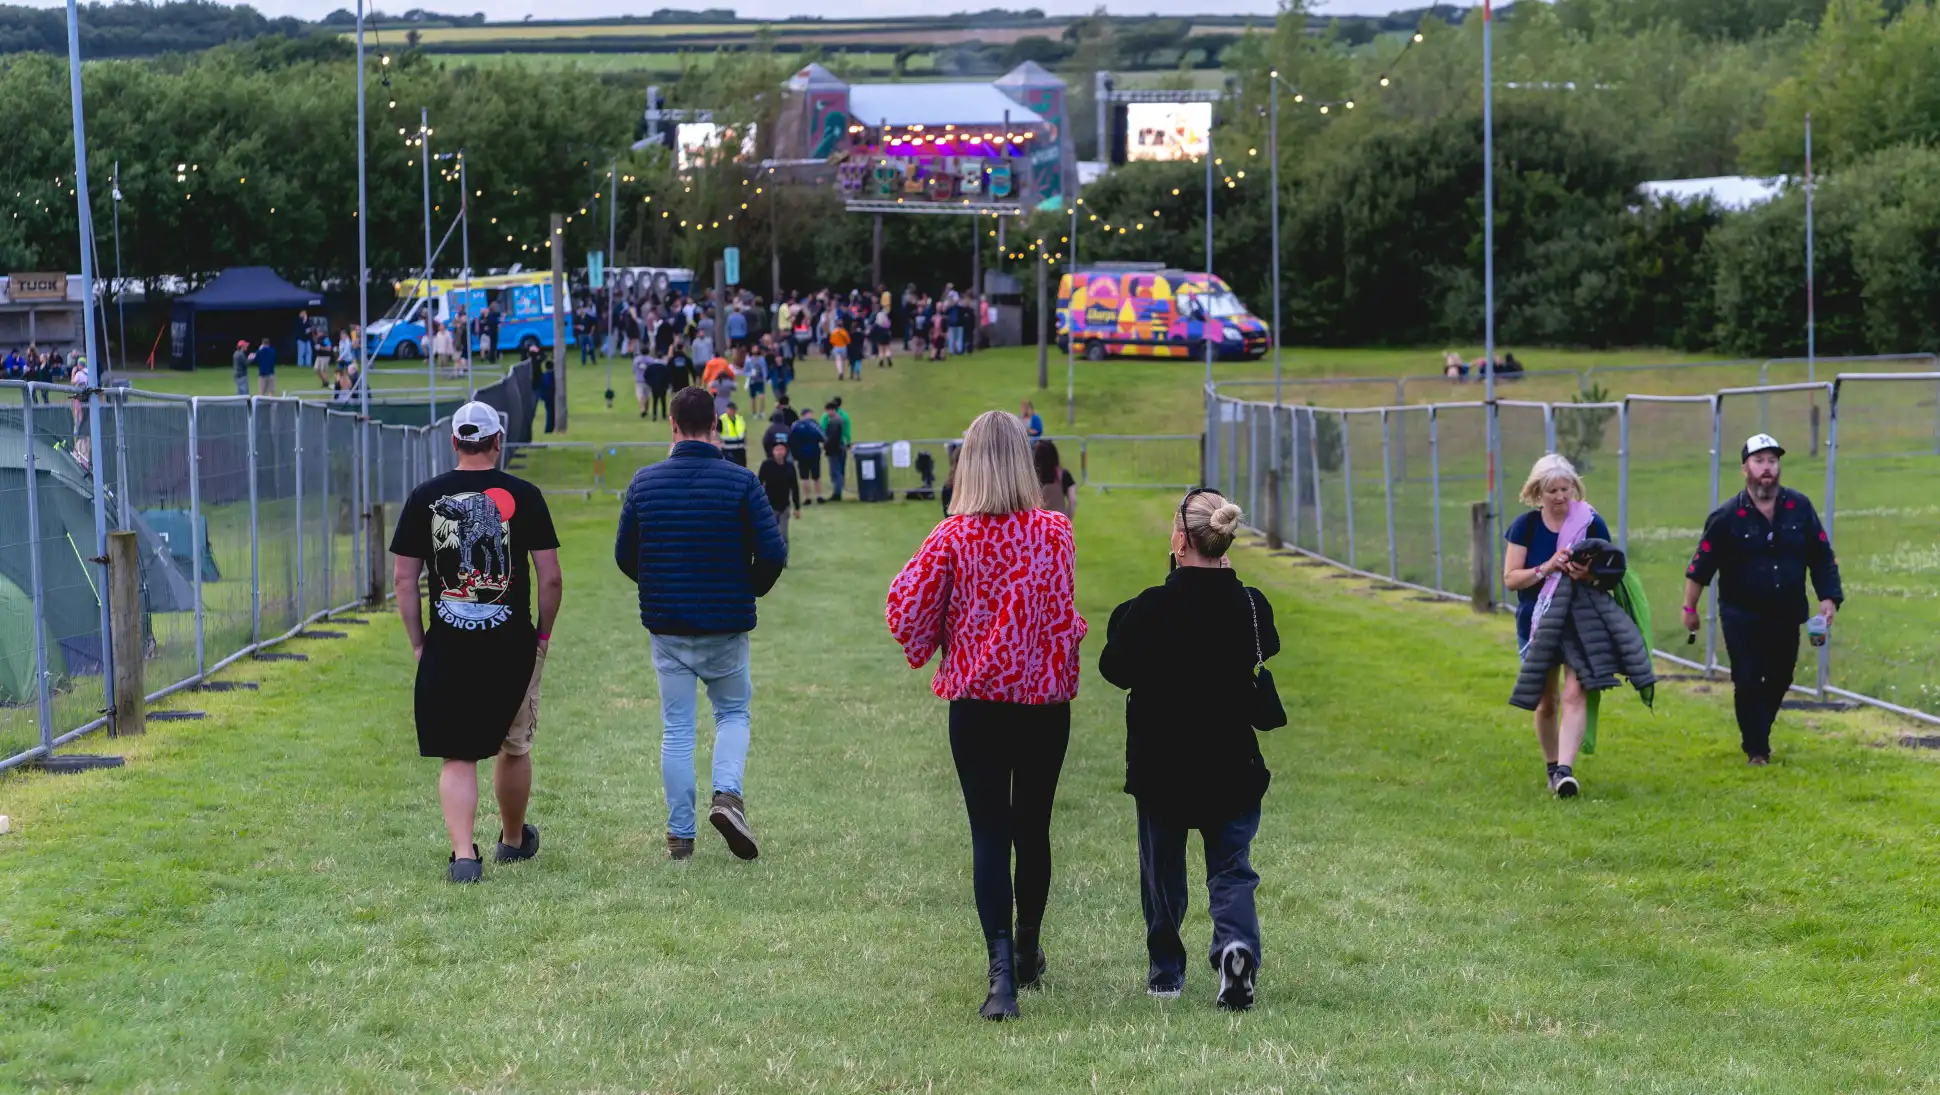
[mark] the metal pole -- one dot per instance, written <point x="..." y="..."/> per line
<point x="1435" y="486"/>
<point x="1347" y="482"/>
<point x="612" y="218"/>
<point x="100" y="545"/>
<point x="1071" y="327"/>
<point x="1831" y="509"/>
<point x="465" y="243"/>
<point x="121" y="314"/>
<point x="1623" y="480"/>
<point x="125" y="507"/>
<point x="1313" y="461"/>
<point x="362" y="359"/>
<point x="255" y="538"/>
<point x="430" y="359"/>
<point x="298" y="456"/>
<point x="1205" y="322"/>
<point x="43" y="698"/>
<point x="1811" y="331"/>
<point x="1387" y="486"/>
<point x="196" y="534"/>
<point x="1711" y="633"/>
<point x="1493" y="413"/>
<point x="84" y="209"/>
<point x="1293" y="467"/>
<point x="1273" y="158"/>
<point x="1549" y="427"/>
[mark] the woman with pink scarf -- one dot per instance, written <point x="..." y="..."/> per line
<point x="1559" y="520"/>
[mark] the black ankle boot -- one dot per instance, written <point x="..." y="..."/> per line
<point x="1029" y="958"/>
<point x="1002" y="1001"/>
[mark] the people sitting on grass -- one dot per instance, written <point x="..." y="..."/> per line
<point x="480" y="658"/>
<point x="996" y="579"/>
<point x="1187" y="649"/>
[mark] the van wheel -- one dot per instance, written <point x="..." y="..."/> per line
<point x="1094" y="351"/>
<point x="407" y="350"/>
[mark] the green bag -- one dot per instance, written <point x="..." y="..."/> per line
<point x="1629" y="595"/>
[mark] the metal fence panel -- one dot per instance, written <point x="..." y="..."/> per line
<point x="1366" y="491"/>
<point x="1885" y="524"/>
<point x="278" y="530"/>
<point x="1671" y="491"/>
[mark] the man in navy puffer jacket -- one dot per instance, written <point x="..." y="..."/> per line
<point x="699" y="538"/>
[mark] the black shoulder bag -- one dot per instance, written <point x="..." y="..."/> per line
<point x="1265" y="712"/>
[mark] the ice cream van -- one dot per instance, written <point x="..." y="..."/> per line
<point x="1147" y="310"/>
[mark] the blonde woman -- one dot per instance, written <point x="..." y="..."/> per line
<point x="1187" y="650"/>
<point x="1536" y="558"/>
<point x="995" y="580"/>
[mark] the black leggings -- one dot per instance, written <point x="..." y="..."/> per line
<point x="1008" y="756"/>
<point x="657" y="405"/>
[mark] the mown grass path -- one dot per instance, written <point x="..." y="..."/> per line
<point x="256" y="902"/>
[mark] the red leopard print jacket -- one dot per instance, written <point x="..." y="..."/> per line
<point x="996" y="593"/>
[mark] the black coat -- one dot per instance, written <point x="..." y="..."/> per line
<point x="1185" y="649"/>
<point x="1587" y="630"/>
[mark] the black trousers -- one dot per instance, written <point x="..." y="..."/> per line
<point x="1008" y="757"/>
<point x="1764" y="654"/>
<point x="1230" y="882"/>
<point x="657" y="401"/>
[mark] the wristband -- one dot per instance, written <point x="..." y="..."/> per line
<point x="545" y="636"/>
<point x="1689" y="611"/>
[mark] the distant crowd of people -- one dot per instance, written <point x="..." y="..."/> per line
<point x="1454" y="367"/>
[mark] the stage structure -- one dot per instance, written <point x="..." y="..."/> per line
<point x="998" y="149"/>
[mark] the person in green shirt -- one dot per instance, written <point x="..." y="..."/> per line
<point x="838" y="434"/>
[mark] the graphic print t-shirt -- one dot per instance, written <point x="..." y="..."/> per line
<point x="476" y="531"/>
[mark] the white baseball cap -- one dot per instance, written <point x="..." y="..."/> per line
<point x="475" y="421"/>
<point x="1760" y="442"/>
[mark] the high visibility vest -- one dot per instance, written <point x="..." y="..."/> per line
<point x="734" y="431"/>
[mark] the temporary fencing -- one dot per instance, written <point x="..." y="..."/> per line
<point x="249" y="516"/>
<point x="1391" y="492"/>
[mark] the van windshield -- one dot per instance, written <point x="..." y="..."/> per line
<point x="1219" y="305"/>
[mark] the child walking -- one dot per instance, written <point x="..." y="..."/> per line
<point x="1187" y="650"/>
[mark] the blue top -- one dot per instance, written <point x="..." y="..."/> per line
<point x="266" y="360"/>
<point x="1035" y="425"/>
<point x="737" y="324"/>
<point x="1530" y="531"/>
<point x="698" y="537"/>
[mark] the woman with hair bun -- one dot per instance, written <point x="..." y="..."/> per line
<point x="1187" y="650"/>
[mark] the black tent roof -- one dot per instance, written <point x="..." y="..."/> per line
<point x="249" y="289"/>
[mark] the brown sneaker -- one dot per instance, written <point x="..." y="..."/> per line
<point x="731" y="819"/>
<point x="680" y="847"/>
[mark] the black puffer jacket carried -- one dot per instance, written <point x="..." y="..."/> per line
<point x="1586" y="629"/>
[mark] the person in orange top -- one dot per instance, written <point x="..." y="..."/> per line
<point x="839" y="342"/>
<point x="715" y="369"/>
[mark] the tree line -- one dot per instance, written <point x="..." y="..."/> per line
<point x="245" y="154"/>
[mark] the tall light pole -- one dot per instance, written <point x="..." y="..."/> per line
<point x="612" y="248"/>
<point x="1273" y="163"/>
<point x="363" y="312"/>
<point x="1071" y="326"/>
<point x="1811" y="330"/>
<point x="430" y="359"/>
<point x="82" y="207"/>
<point x="1488" y="261"/>
<point x="465" y="243"/>
<point x="121" y="314"/>
<point x="1205" y="311"/>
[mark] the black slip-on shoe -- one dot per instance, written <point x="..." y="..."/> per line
<point x="528" y="846"/>
<point x="466" y="870"/>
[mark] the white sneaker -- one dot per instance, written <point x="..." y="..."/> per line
<point x="1236" y="969"/>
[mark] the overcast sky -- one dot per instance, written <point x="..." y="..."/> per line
<point x="776" y="9"/>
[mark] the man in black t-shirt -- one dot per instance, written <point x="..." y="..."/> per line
<point x="480" y="658"/>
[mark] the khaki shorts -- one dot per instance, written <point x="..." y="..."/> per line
<point x="518" y="740"/>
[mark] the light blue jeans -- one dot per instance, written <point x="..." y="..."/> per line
<point x="721" y="663"/>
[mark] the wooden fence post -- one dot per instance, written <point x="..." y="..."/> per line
<point x="1481" y="583"/>
<point x="380" y="577"/>
<point x="125" y="635"/>
<point x="1273" y="539"/>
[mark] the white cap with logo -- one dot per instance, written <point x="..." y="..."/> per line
<point x="1757" y="443"/>
<point x="475" y="421"/>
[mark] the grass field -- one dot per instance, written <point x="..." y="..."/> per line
<point x="256" y="902"/>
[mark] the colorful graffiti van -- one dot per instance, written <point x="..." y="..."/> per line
<point x="1146" y="310"/>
